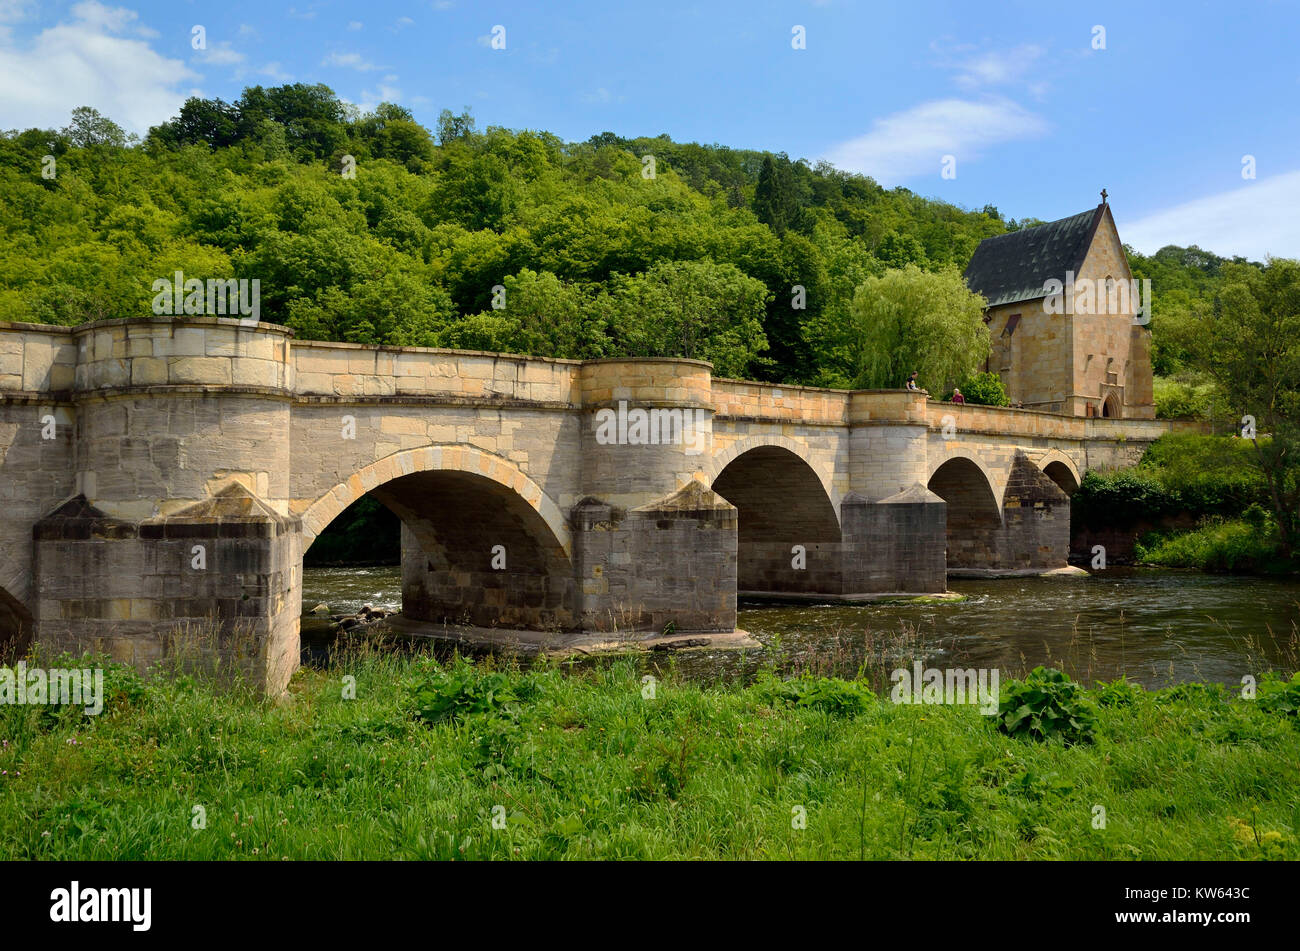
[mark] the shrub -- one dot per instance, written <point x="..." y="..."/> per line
<point x="1119" y="693"/>
<point x="841" y="698"/>
<point x="1178" y="400"/>
<point x="1045" y="704"/>
<point x="1211" y="475"/>
<point x="1193" y="692"/>
<point x="1280" y="696"/>
<point x="1121" y="499"/>
<point x="1219" y="545"/>
<point x="459" y="691"/>
<point x="1179" y="474"/>
<point x="985" y="389"/>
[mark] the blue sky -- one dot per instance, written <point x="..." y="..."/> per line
<point x="1036" y="118"/>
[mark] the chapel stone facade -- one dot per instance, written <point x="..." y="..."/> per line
<point x="1065" y="317"/>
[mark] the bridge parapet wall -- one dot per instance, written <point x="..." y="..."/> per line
<point x="36" y="359"/>
<point x="181" y="351"/>
<point x="348" y="371"/>
<point x="1007" y="422"/>
<point x="744" y="399"/>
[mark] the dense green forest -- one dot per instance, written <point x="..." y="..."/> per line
<point x="371" y="228"/>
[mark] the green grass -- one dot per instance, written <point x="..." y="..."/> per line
<point x="1234" y="546"/>
<point x="582" y="765"/>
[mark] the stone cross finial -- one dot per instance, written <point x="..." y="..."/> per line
<point x="1103" y="196"/>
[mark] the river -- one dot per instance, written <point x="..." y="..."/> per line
<point x="1155" y="626"/>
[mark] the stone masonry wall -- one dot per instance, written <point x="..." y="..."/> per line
<point x="165" y="429"/>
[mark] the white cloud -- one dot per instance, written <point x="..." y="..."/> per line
<point x="996" y="67"/>
<point x="86" y="61"/>
<point x="350" y="61"/>
<point x="273" y="71"/>
<point x="370" y="98"/>
<point x="110" y="19"/>
<point x="602" y="95"/>
<point x="914" y="141"/>
<point x="443" y="4"/>
<point x="220" y="55"/>
<point x="14" y="10"/>
<point x="354" y="25"/>
<point x="1252" y="221"/>
<point x="11" y="11"/>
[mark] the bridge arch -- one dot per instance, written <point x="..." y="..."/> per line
<point x="434" y="459"/>
<point x="737" y="449"/>
<point x="1061" y="469"/>
<point x="974" y="514"/>
<point x="15" y="626"/>
<point x="481" y="543"/>
<point x="788" y="537"/>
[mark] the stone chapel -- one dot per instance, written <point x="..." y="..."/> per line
<point x="1061" y="313"/>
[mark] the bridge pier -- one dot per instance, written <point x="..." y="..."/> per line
<point x="1035" y="520"/>
<point x="895" y="545"/>
<point x="173" y="540"/>
<point x="1028" y="530"/>
<point x="217" y="581"/>
<point x="653" y="545"/>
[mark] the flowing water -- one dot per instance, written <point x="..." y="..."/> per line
<point x="1154" y="626"/>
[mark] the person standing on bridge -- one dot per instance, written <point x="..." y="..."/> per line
<point x="956" y="396"/>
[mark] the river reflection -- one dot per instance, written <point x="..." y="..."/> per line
<point x="1157" y="627"/>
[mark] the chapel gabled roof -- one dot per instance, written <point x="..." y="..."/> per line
<point x="1013" y="267"/>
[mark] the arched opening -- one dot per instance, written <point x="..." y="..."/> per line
<point x="1110" y="407"/>
<point x="973" y="516"/>
<point x="1060" y="473"/>
<point x="15" y="627"/>
<point x="788" y="538"/>
<point x="355" y="561"/>
<point x="472" y="551"/>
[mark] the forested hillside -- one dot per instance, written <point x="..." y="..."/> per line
<point x="607" y="247"/>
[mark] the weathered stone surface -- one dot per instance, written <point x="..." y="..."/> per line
<point x="1093" y="361"/>
<point x="250" y="444"/>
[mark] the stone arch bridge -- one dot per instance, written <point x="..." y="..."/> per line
<point x="157" y="473"/>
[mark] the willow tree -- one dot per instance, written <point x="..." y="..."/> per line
<point x="908" y="319"/>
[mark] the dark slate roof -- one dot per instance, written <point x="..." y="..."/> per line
<point x="1013" y="267"/>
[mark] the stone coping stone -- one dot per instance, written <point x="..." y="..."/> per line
<point x="693" y="500"/>
<point x="184" y="320"/>
<point x="392" y="348"/>
<point x="42" y="328"/>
